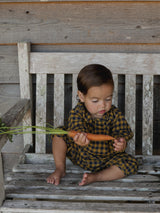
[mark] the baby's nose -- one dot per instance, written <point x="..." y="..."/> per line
<point x="103" y="104"/>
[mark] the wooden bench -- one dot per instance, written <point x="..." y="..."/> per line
<point x="26" y="189"/>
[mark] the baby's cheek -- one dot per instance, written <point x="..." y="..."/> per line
<point x="108" y="107"/>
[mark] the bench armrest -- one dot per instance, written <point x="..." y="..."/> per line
<point x="13" y="117"/>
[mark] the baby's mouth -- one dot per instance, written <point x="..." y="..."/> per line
<point x="101" y="112"/>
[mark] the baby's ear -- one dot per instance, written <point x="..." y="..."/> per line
<point x="81" y="96"/>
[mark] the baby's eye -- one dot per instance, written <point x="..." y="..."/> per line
<point x="108" y="99"/>
<point x="94" y="100"/>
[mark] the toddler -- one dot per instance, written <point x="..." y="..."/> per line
<point x="94" y="113"/>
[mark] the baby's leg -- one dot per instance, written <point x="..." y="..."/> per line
<point x="111" y="173"/>
<point x="59" y="149"/>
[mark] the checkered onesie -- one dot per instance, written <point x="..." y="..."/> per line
<point x="99" y="155"/>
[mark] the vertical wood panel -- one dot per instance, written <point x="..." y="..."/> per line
<point x="147" y="138"/>
<point x="74" y="90"/>
<point x="130" y="108"/>
<point x="115" y="93"/>
<point x="41" y="92"/>
<point x="25" y="85"/>
<point x="58" y="100"/>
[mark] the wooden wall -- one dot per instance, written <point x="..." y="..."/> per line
<point x="100" y="26"/>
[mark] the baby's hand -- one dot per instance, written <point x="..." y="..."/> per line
<point x="120" y="144"/>
<point x="81" y="139"/>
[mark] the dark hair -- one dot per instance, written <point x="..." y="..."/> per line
<point x="93" y="75"/>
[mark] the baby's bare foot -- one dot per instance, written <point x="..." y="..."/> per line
<point x="87" y="179"/>
<point x="55" y="177"/>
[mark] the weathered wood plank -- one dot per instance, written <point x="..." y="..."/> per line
<point x="115" y="93"/>
<point x="28" y="206"/>
<point x="24" y="69"/>
<point x="51" y="23"/>
<point x="71" y="63"/>
<point x="40" y="168"/>
<point x="9" y="63"/>
<point x="71" y="177"/>
<point x="74" y="90"/>
<point x="25" y="85"/>
<point x="33" y="158"/>
<point x="78" y="195"/>
<point x="14" y="116"/>
<point x="147" y="139"/>
<point x="73" y="185"/>
<point x="130" y="108"/>
<point x="58" y="100"/>
<point x="41" y="99"/>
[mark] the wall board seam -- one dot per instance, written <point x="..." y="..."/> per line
<point x="76" y="2"/>
<point x="15" y="44"/>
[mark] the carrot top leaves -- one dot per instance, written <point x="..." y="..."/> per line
<point x="10" y="131"/>
<point x="49" y="130"/>
<point x="3" y="129"/>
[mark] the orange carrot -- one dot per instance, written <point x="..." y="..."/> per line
<point x="92" y="137"/>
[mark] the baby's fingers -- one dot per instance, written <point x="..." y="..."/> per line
<point x="119" y="145"/>
<point x="81" y="139"/>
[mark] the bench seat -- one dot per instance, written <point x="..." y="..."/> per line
<point x="27" y="190"/>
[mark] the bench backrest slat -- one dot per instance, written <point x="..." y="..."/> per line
<point x="115" y="93"/>
<point x="41" y="99"/>
<point x="74" y="90"/>
<point x="59" y="64"/>
<point x="119" y="63"/>
<point x="130" y="106"/>
<point x="147" y="115"/>
<point x="58" y="100"/>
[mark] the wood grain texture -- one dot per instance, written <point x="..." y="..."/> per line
<point x="9" y="62"/>
<point x="102" y="22"/>
<point x="27" y="183"/>
<point x="9" y="65"/>
<point x="24" y="67"/>
<point x="58" y="100"/>
<point x="41" y="99"/>
<point x="74" y="90"/>
<point x="13" y="116"/>
<point x="72" y="63"/>
<point x="130" y="108"/>
<point x="25" y="85"/>
<point x="24" y="206"/>
<point x="147" y="115"/>
<point x="115" y="92"/>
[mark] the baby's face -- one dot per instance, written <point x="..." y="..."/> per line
<point x="98" y="100"/>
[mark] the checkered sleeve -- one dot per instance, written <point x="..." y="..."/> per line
<point x="76" y="122"/>
<point x="120" y="127"/>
